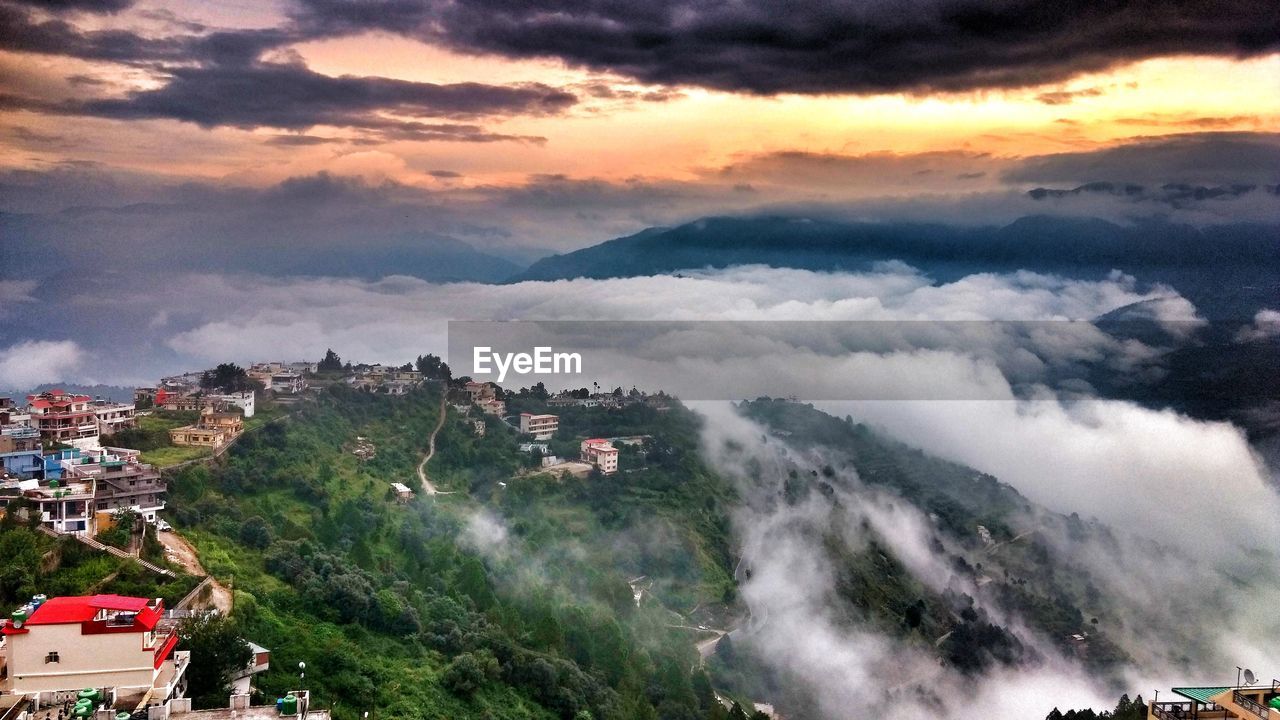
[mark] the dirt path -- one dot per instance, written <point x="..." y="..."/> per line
<point x="427" y="487"/>
<point x="178" y="550"/>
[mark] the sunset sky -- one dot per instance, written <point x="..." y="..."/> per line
<point x="675" y="109"/>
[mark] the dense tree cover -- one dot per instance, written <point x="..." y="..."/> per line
<point x="34" y="563"/>
<point x="228" y="377"/>
<point x="433" y="368"/>
<point x="403" y="608"/>
<point x="1029" y="577"/>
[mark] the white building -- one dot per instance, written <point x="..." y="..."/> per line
<point x="244" y="400"/>
<point x="541" y="427"/>
<point x="113" y="416"/>
<point x="288" y="383"/>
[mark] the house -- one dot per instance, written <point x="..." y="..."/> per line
<point x="123" y="482"/>
<point x="63" y="506"/>
<point x="62" y="417"/>
<point x="402" y="491"/>
<point x="259" y="662"/>
<point x="213" y="429"/>
<point x="493" y="407"/>
<point x="287" y="383"/>
<point x="479" y="391"/>
<point x="242" y="400"/>
<point x="541" y="427"/>
<point x="530" y="447"/>
<point x="600" y="453"/>
<point x="20" y="446"/>
<point x="1249" y="700"/>
<point x="110" y="642"/>
<point x="113" y="416"/>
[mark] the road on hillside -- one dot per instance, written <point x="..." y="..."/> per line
<point x="427" y="487"/>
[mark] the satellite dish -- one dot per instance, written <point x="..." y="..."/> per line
<point x="1249" y="677"/>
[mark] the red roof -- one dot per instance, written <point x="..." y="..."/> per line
<point x="63" y="610"/>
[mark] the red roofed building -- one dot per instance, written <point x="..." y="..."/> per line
<point x="63" y="417"/>
<point x="97" y="641"/>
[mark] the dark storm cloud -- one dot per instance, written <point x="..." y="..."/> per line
<point x="821" y="46"/>
<point x="1195" y="158"/>
<point x="92" y="6"/>
<point x="293" y="97"/>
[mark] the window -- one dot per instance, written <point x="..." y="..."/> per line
<point x="52" y="657"/>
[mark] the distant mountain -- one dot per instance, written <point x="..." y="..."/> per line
<point x="436" y="259"/>
<point x="1227" y="270"/>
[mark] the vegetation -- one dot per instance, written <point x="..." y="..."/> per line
<point x="215" y="641"/>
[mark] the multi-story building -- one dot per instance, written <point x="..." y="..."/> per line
<point x="287" y="383"/>
<point x="100" y="641"/>
<point x="243" y="400"/>
<point x="1247" y="701"/>
<point x="62" y="417"/>
<point x="64" y="505"/>
<point x="213" y="429"/>
<point x="600" y="453"/>
<point x="20" y="446"/>
<point x="123" y="482"/>
<point x="114" y="416"/>
<point x="541" y="427"/>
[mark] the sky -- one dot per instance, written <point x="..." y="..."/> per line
<point x="529" y="127"/>
<point x="246" y="145"/>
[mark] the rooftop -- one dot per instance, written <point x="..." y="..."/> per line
<point x="1200" y="694"/>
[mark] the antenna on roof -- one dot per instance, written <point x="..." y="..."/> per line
<point x="1249" y="677"/>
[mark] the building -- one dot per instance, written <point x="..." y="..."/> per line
<point x="123" y="482"/>
<point x="1250" y="701"/>
<point x="479" y="391"/>
<point x="63" y="506"/>
<point x="98" y="641"/>
<point x="530" y="447"/>
<point x="243" y="400"/>
<point x="213" y="429"/>
<point x="478" y="427"/>
<point x="113" y="416"/>
<point x="20" y="447"/>
<point x="287" y="383"/>
<point x="492" y="407"/>
<point x="541" y="427"/>
<point x="62" y="417"/>
<point x="402" y="491"/>
<point x="600" y="453"/>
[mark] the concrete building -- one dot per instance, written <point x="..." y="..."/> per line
<point x="213" y="429"/>
<point x="62" y="417"/>
<point x="243" y="400"/>
<point x="541" y="427"/>
<point x="1248" y="701"/>
<point x="287" y="383"/>
<point x="99" y="641"/>
<point x="600" y="453"/>
<point x="113" y="416"/>
<point x="402" y="491"/>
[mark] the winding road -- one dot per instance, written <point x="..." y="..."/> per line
<point x="427" y="487"/>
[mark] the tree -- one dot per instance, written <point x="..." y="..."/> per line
<point x="434" y="368"/>
<point x="255" y="533"/>
<point x="469" y="672"/>
<point x="331" y="362"/>
<point x="228" y="377"/>
<point x="218" y="652"/>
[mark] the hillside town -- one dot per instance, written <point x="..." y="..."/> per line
<point x="66" y="468"/>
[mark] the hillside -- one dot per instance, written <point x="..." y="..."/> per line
<point x="1227" y="270"/>
<point x="515" y="595"/>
